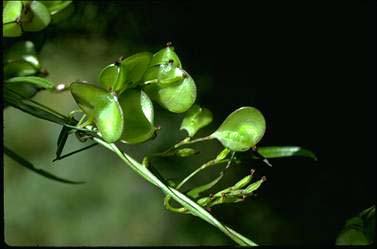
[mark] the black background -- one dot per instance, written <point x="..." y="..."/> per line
<point x="305" y="65"/>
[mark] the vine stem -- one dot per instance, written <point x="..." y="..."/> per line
<point x="186" y="202"/>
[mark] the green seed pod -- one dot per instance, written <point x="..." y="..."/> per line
<point x="11" y="14"/>
<point x="35" y="16"/>
<point x="138" y="116"/>
<point x="195" y="119"/>
<point x="164" y="75"/>
<point x="166" y="55"/>
<point x="242" y="129"/>
<point x="177" y="97"/>
<point x="186" y="152"/>
<point x="102" y="107"/>
<point x="112" y="77"/>
<point x="135" y="67"/>
<point x="223" y="154"/>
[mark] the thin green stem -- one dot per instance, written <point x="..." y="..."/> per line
<point x="186" y="202"/>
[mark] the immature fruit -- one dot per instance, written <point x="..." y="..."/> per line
<point x="166" y="55"/>
<point x="176" y="97"/>
<point x="138" y="116"/>
<point x="242" y="129"/>
<point x="102" y="107"/>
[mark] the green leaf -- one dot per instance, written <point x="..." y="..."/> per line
<point x="23" y="162"/>
<point x="285" y="151"/>
<point x="14" y="99"/>
<point x="11" y="11"/>
<point x="359" y="230"/>
<point x="138" y="116"/>
<point x="135" y="66"/>
<point x="112" y="77"/>
<point x="195" y="192"/>
<point x="12" y="30"/>
<point x="177" y="97"/>
<point x="164" y="56"/>
<point x="36" y="81"/>
<point x="62" y="139"/>
<point x="242" y="129"/>
<point x="195" y="119"/>
<point x="35" y="17"/>
<point x="101" y="107"/>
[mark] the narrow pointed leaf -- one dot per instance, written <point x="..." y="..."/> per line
<point x="102" y="107"/>
<point x="195" y="192"/>
<point x="62" y="139"/>
<point x="285" y="151"/>
<point x="177" y="97"/>
<point x="196" y="118"/>
<point x="14" y="99"/>
<point x="34" y="80"/>
<point x="242" y="129"/>
<point x="23" y="162"/>
<point x="138" y="116"/>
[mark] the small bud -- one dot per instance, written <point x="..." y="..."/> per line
<point x="186" y="152"/>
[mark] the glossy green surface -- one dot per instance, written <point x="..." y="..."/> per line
<point x="135" y="66"/>
<point x="138" y="116"/>
<point x="242" y="129"/>
<point x="101" y="107"/>
<point x="39" y="17"/>
<point x="164" y="74"/>
<point x="12" y="11"/>
<point x="112" y="77"/>
<point x="164" y="56"/>
<point x="34" y="80"/>
<point x="285" y="151"/>
<point x="12" y="30"/>
<point x="177" y="97"/>
<point x="196" y="118"/>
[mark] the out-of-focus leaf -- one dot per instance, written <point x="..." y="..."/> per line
<point x="37" y="81"/>
<point x="196" y="118"/>
<point x="242" y="129"/>
<point x="12" y="30"/>
<point x="12" y="11"/>
<point x="285" y="151"/>
<point x="359" y="230"/>
<point x="23" y="162"/>
<point x="36" y="18"/>
<point x="14" y="99"/>
<point x="195" y="192"/>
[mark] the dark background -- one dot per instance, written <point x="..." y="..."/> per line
<point x="304" y="65"/>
